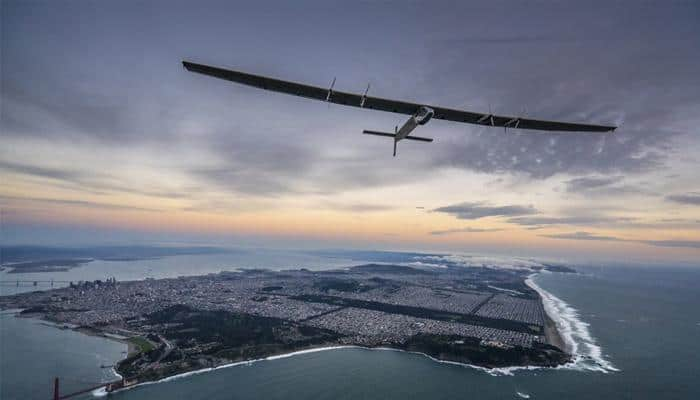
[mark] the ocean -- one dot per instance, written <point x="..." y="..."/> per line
<point x="33" y="352"/>
<point x="634" y="330"/>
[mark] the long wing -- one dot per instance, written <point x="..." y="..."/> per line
<point x="377" y="103"/>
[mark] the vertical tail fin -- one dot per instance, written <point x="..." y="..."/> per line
<point x="396" y="132"/>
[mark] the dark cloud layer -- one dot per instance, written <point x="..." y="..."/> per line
<point x="79" y="203"/>
<point x="693" y="244"/>
<point x="581" y="236"/>
<point x="482" y="210"/>
<point x="692" y="198"/>
<point x="582" y="220"/>
<point x="588" y="183"/>
<point x="606" y="186"/>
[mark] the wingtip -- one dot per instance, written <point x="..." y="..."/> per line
<point x="189" y="65"/>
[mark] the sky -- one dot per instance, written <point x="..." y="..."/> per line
<point x="105" y="138"/>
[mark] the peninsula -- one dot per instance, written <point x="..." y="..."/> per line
<point x="481" y="316"/>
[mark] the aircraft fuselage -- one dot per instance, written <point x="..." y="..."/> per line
<point x="421" y="117"/>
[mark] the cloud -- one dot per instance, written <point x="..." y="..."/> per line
<point x="582" y="236"/>
<point x="79" y="203"/>
<point x="694" y="244"/>
<point x="568" y="87"/>
<point x="691" y="198"/>
<point x="358" y="207"/>
<point x="271" y="145"/>
<point x="586" y="219"/>
<point x="481" y="210"/>
<point x="540" y="156"/>
<point x="88" y="181"/>
<point x="604" y="185"/>
<point x="465" y="230"/>
<point x="63" y="174"/>
<point x="592" y="182"/>
<point x="568" y="220"/>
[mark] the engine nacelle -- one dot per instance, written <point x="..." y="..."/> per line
<point x="424" y="115"/>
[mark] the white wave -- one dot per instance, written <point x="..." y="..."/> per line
<point x="491" y="371"/>
<point x="587" y="354"/>
<point x="102" y="392"/>
<point x="522" y="395"/>
<point x="420" y="264"/>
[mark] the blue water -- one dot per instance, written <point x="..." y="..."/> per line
<point x="33" y="353"/>
<point x="645" y="320"/>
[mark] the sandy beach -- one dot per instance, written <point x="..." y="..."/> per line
<point x="551" y="333"/>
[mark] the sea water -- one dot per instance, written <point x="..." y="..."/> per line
<point x="33" y="352"/>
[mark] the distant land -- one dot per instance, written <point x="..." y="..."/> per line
<point x="28" y="259"/>
<point x="481" y="316"/>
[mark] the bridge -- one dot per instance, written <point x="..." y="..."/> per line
<point x="25" y="282"/>
<point x="58" y="396"/>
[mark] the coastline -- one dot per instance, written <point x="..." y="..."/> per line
<point x="491" y="371"/>
<point x="577" y="339"/>
<point x="556" y="333"/>
<point x="552" y="334"/>
<point x="551" y="330"/>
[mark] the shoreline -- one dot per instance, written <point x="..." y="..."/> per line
<point x="556" y="333"/>
<point x="586" y="354"/>
<point x="551" y="332"/>
<point x="502" y="371"/>
<point x="552" y="335"/>
<point x="493" y="371"/>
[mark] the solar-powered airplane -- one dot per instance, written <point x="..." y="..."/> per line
<point x="420" y="114"/>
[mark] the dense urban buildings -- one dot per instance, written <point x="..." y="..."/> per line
<point x="485" y="316"/>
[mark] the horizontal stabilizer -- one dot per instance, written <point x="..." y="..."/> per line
<point x="421" y="139"/>
<point x="387" y="134"/>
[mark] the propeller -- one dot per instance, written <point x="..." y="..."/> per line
<point x="330" y="91"/>
<point x="364" y="97"/>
